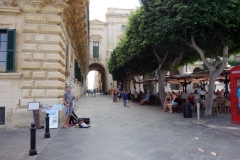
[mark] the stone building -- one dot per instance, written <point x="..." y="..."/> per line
<point x="104" y="37"/>
<point x="43" y="47"/>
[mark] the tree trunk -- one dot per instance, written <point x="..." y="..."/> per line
<point x="211" y="86"/>
<point x="161" y="84"/>
<point x="133" y="80"/>
<point x="213" y="72"/>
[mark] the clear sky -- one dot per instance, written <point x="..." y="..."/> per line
<point x="98" y="8"/>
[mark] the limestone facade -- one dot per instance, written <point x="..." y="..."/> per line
<point x="107" y="34"/>
<point x="51" y="39"/>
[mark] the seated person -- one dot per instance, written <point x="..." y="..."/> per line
<point x="147" y="97"/>
<point x="167" y="101"/>
<point x="136" y="95"/>
<point x="191" y="99"/>
<point x="173" y="103"/>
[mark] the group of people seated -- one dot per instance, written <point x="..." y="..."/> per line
<point x="170" y="100"/>
<point x="145" y="98"/>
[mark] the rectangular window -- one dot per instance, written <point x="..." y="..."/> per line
<point x="2" y="115"/>
<point x="7" y="50"/>
<point x="67" y="57"/>
<point x="95" y="49"/>
<point x="78" y="74"/>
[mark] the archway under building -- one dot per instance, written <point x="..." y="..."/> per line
<point x="197" y="69"/>
<point x="99" y="78"/>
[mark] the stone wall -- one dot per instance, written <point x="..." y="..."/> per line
<point x="40" y="62"/>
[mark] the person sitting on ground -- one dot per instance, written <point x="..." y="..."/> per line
<point x="147" y="97"/>
<point x="167" y="101"/>
<point x="173" y="103"/>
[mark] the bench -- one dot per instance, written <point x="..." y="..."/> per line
<point x="179" y="107"/>
<point x="152" y="100"/>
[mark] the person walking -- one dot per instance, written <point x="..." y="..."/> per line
<point x="124" y="96"/>
<point x="94" y="92"/>
<point x="68" y="105"/>
<point x="119" y="95"/>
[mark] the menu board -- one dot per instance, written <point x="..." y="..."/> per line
<point x="33" y="106"/>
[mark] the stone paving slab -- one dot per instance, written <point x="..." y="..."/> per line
<point x="15" y="143"/>
<point x="129" y="133"/>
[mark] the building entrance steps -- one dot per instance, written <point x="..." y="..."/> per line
<point x="129" y="133"/>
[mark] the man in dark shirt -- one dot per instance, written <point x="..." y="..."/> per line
<point x="124" y="96"/>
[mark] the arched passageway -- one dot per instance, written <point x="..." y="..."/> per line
<point x="100" y="68"/>
<point x="197" y="69"/>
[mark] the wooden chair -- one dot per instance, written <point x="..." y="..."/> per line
<point x="178" y="107"/>
<point x="215" y="106"/>
<point x="223" y="104"/>
<point x="228" y="106"/>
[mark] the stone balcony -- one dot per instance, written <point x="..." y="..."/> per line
<point x="94" y="60"/>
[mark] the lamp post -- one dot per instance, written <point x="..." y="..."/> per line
<point x="155" y="88"/>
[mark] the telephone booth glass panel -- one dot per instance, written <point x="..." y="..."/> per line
<point x="235" y="94"/>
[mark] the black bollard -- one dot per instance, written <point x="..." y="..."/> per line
<point x="32" y="151"/>
<point x="47" y="134"/>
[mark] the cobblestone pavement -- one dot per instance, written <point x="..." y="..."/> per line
<point x="130" y="133"/>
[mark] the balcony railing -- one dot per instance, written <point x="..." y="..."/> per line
<point x="99" y="57"/>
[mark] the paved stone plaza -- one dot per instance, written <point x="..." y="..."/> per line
<point x="128" y="133"/>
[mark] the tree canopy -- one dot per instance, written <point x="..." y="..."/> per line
<point x="177" y="32"/>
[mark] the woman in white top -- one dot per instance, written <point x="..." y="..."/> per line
<point x="202" y="94"/>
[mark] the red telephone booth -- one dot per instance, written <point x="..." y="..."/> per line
<point x="235" y="94"/>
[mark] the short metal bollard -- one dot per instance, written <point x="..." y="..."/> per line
<point x="198" y="112"/>
<point x="47" y="134"/>
<point x="32" y="151"/>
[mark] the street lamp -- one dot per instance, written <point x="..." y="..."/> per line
<point x="155" y="88"/>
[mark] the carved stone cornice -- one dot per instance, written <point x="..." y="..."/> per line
<point x="95" y="38"/>
<point x="10" y="75"/>
<point x="75" y="17"/>
<point x="9" y="3"/>
<point x="38" y="4"/>
<point x="60" y="6"/>
<point x="10" y="10"/>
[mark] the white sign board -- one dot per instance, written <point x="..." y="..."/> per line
<point x="33" y="106"/>
<point x="49" y="107"/>
<point x="53" y="118"/>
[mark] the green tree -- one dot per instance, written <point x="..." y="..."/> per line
<point x="147" y="30"/>
<point x="209" y="27"/>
